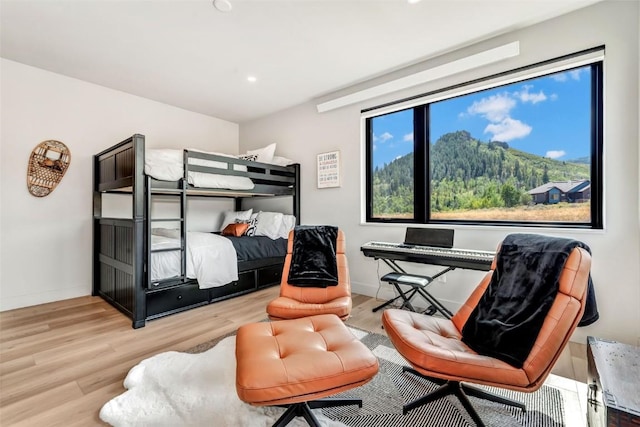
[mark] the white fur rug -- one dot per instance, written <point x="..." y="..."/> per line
<point x="181" y="389"/>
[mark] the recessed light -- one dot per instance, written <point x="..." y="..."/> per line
<point x="222" y="5"/>
<point x="252" y="79"/>
<point x="413" y="1"/>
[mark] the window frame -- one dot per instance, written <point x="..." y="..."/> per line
<point x="420" y="104"/>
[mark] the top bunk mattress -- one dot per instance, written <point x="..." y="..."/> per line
<point x="168" y="165"/>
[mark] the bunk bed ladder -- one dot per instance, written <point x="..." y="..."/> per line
<point x="182" y="195"/>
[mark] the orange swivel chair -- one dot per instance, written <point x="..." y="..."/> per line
<point x="295" y="302"/>
<point x="434" y="348"/>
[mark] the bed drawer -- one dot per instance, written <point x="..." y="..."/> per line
<point x="269" y="275"/>
<point x="245" y="283"/>
<point x="175" y="299"/>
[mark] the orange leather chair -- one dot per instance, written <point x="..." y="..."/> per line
<point x="295" y="302"/>
<point x="434" y="348"/>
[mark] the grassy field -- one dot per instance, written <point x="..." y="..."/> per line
<point x="563" y="212"/>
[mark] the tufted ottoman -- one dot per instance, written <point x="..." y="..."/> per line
<point x="292" y="362"/>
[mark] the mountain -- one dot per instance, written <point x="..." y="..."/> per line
<point x="470" y="174"/>
<point x="586" y="160"/>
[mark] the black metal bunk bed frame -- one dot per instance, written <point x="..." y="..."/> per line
<point x="122" y="246"/>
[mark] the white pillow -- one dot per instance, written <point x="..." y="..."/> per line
<point x="281" y="161"/>
<point x="268" y="224"/>
<point x="230" y="217"/>
<point x="265" y="154"/>
<point x="288" y="224"/>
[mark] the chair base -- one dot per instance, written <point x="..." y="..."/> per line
<point x="303" y="409"/>
<point x="461" y="391"/>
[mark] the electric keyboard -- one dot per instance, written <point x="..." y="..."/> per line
<point x="451" y="257"/>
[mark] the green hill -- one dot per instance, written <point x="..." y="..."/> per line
<point x="469" y="174"/>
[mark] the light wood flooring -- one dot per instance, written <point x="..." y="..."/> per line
<point x="60" y="362"/>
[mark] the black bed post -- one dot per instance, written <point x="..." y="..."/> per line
<point x="97" y="212"/>
<point x="296" y="194"/>
<point x="139" y="225"/>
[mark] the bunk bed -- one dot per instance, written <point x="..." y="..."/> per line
<point x="124" y="248"/>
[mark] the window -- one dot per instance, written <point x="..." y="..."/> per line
<point x="393" y="165"/>
<point x="525" y="153"/>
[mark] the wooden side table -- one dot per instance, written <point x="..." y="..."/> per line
<point x="613" y="383"/>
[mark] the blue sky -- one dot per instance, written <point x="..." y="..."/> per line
<point x="548" y="116"/>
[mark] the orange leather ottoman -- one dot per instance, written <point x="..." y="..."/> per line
<point x="292" y="362"/>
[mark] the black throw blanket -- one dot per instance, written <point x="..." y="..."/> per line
<point x="506" y="322"/>
<point x="313" y="262"/>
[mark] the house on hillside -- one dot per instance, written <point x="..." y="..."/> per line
<point x="562" y="191"/>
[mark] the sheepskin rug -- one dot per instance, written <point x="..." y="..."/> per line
<point x="181" y="389"/>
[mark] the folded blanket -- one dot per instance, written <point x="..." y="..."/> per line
<point x="313" y="262"/>
<point x="591" y="307"/>
<point x="506" y="322"/>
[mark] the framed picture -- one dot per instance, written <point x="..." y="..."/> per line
<point x="329" y="169"/>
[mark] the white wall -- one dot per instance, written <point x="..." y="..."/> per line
<point x="46" y="245"/>
<point x="301" y="133"/>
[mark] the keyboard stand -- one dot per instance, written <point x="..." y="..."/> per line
<point x="418" y="286"/>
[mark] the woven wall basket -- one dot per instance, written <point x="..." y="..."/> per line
<point x="47" y="165"/>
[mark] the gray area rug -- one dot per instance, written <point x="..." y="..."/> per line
<point x="384" y="396"/>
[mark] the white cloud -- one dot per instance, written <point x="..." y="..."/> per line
<point x="494" y="108"/>
<point x="554" y="96"/>
<point x="508" y="129"/>
<point x="382" y="138"/>
<point x="575" y="74"/>
<point x="525" y="96"/>
<point x="572" y="74"/>
<point x="408" y="137"/>
<point x="554" y="154"/>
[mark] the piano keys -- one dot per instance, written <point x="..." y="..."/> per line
<point x="470" y="259"/>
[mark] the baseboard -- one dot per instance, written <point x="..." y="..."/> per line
<point x="21" y="301"/>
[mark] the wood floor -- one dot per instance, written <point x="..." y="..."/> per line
<point x="60" y="362"/>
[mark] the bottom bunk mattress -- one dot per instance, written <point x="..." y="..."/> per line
<point x="211" y="259"/>
<point x="253" y="248"/>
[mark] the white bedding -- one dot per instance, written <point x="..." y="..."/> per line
<point x="211" y="259"/>
<point x="164" y="265"/>
<point x="167" y="165"/>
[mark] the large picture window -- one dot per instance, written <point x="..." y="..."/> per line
<point x="524" y="153"/>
